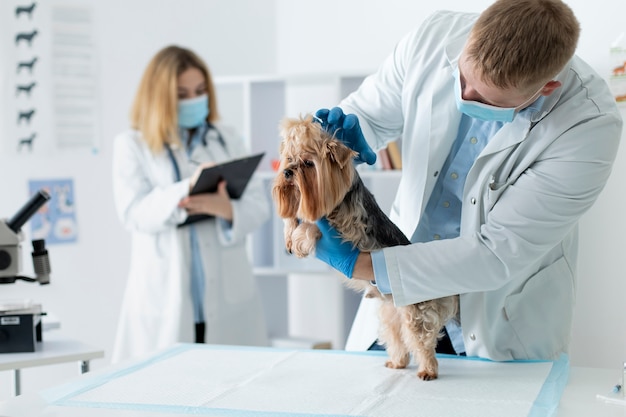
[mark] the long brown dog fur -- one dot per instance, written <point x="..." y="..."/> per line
<point x="317" y="179"/>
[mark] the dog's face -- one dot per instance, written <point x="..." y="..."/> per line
<point x="315" y="171"/>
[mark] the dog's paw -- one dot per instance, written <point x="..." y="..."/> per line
<point x="428" y="369"/>
<point x="304" y="239"/>
<point x="395" y="365"/>
<point x="288" y="246"/>
<point x="302" y="249"/>
<point x="426" y="375"/>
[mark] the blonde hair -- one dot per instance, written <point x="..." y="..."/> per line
<point x="522" y="43"/>
<point x="155" y="109"/>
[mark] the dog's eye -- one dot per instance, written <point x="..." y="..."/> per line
<point x="289" y="160"/>
<point x="308" y="163"/>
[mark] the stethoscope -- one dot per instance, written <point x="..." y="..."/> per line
<point x="170" y="152"/>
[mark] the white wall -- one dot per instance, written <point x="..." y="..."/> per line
<point x="349" y="36"/>
<point x="242" y="37"/>
<point x="355" y="36"/>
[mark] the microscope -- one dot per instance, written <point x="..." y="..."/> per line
<point x="20" y="322"/>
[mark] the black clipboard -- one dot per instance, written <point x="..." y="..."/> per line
<point x="237" y="174"/>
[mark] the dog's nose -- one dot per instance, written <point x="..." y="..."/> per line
<point x="288" y="173"/>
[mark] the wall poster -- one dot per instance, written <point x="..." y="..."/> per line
<point x="48" y="75"/>
<point x="55" y="221"/>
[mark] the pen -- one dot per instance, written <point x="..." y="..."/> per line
<point x="618" y="387"/>
<point x="191" y="161"/>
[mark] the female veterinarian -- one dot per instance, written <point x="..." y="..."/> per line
<point x="507" y="140"/>
<point x="195" y="282"/>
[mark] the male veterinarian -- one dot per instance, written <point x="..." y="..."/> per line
<point x="507" y="140"/>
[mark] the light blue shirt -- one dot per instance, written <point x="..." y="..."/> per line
<point x="442" y="217"/>
<point x="197" y="270"/>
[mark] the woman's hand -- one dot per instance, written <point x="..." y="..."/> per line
<point x="194" y="178"/>
<point x="215" y="204"/>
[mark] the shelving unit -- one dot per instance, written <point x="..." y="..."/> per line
<point x="255" y="106"/>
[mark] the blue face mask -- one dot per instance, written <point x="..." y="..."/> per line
<point x="193" y="112"/>
<point x="481" y="111"/>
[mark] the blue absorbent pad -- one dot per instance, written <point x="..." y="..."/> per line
<point x="193" y="379"/>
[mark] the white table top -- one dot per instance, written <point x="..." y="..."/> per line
<point x="579" y="397"/>
<point x="53" y="349"/>
<point x="578" y="400"/>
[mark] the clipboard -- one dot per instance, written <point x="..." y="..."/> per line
<point x="237" y="174"/>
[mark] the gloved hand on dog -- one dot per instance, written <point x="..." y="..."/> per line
<point x="331" y="249"/>
<point x="346" y="128"/>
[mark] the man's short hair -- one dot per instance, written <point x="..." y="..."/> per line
<point x="522" y="43"/>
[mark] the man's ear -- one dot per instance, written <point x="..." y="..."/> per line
<point x="550" y="87"/>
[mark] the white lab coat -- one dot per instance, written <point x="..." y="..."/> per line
<point x="157" y="308"/>
<point x="514" y="264"/>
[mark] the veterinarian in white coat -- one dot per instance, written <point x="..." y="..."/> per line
<point x="174" y="288"/>
<point x="513" y="261"/>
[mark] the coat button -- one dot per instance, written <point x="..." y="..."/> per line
<point x="473" y="200"/>
<point x="472" y="336"/>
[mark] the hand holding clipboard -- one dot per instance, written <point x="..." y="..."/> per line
<point x="236" y="173"/>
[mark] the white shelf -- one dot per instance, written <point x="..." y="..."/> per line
<point x="255" y="106"/>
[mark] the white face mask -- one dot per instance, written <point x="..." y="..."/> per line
<point x="482" y="111"/>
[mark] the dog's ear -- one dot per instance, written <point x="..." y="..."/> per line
<point x="340" y="153"/>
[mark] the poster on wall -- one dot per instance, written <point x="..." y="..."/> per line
<point x="74" y="80"/>
<point x="48" y="73"/>
<point x="22" y="49"/>
<point x="55" y="221"/>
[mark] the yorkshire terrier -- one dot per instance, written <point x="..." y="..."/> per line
<point x="317" y="178"/>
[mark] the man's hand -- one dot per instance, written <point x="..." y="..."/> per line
<point x="332" y="250"/>
<point x="346" y="128"/>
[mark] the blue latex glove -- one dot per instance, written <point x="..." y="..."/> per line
<point x="332" y="250"/>
<point x="346" y="128"/>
